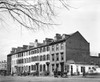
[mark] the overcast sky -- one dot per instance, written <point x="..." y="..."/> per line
<point x="84" y="17"/>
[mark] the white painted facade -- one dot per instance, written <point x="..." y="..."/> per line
<point x="3" y="65"/>
<point x="26" y="65"/>
<point x="77" y="68"/>
<point x="13" y="63"/>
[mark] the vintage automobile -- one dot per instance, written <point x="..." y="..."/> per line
<point x="59" y="73"/>
<point x="92" y="73"/>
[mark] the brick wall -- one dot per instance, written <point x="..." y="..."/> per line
<point x="77" y="48"/>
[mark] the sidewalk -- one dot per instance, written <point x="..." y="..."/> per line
<point x="51" y="77"/>
<point x="80" y="76"/>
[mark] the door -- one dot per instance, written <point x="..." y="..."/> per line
<point x="62" y="66"/>
<point x="71" y="70"/>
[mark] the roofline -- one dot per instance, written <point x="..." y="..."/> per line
<point x="43" y="45"/>
<point x="94" y="56"/>
<point x="29" y="49"/>
<point x="9" y="54"/>
<point x="82" y="36"/>
<point x="54" y="42"/>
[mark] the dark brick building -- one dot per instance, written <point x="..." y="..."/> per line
<point x="9" y="64"/>
<point x="77" y="48"/>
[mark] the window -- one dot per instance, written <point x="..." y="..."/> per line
<point x="26" y="60"/>
<point x="52" y="47"/>
<point x="40" y="67"/>
<point x="44" y="57"/>
<point x="57" y="47"/>
<point x="47" y="48"/>
<point x="32" y="52"/>
<point x="29" y="52"/>
<point x="37" y="50"/>
<point x="67" y="68"/>
<point x="82" y="69"/>
<point x="23" y="53"/>
<point x="19" y="54"/>
<point x="40" y="49"/>
<point x="32" y="66"/>
<point x="52" y="57"/>
<point x="57" y="56"/>
<point x="36" y="58"/>
<point x="62" y="56"/>
<point x="44" y="67"/>
<point x="57" y="66"/>
<point x="62" y="46"/>
<point x="32" y="58"/>
<point x="40" y="58"/>
<point x="26" y="53"/>
<point x="23" y="60"/>
<point x="52" y="67"/>
<point x="48" y="57"/>
<point x="20" y="61"/>
<point x="43" y="49"/>
<point x="29" y="59"/>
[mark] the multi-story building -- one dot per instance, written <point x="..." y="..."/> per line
<point x="31" y="59"/>
<point x="3" y="67"/>
<point x="69" y="53"/>
<point x="9" y="64"/>
<point x="68" y="49"/>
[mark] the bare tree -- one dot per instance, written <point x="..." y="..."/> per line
<point x="31" y="13"/>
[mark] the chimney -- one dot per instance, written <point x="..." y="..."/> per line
<point x="36" y="43"/>
<point x="48" y="40"/>
<point x="44" y="41"/>
<point x="18" y="49"/>
<point x="65" y="36"/>
<point x="31" y="44"/>
<point x="14" y="50"/>
<point x="36" y="40"/>
<point x="25" y="47"/>
<point x="57" y="37"/>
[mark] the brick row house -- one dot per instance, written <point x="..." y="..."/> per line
<point x="67" y="52"/>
